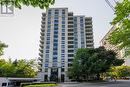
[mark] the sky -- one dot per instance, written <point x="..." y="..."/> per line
<point x="21" y="32"/>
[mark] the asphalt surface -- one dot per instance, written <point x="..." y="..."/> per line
<point x="119" y="83"/>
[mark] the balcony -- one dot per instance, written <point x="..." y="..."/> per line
<point x="41" y="46"/>
<point x="41" y="41"/>
<point x="41" y="59"/>
<point x="43" y="26"/>
<point x="42" y="38"/>
<point x="42" y="30"/>
<point x="42" y="33"/>
<point x="41" y="50"/>
<point x="40" y="63"/>
<point x="41" y="55"/>
<point x="87" y="36"/>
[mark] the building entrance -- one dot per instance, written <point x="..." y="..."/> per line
<point x="54" y="74"/>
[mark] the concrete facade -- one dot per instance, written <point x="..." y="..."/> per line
<point x="62" y="33"/>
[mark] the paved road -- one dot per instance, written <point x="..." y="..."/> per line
<point x="119" y="83"/>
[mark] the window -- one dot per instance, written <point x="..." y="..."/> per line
<point x="47" y="51"/>
<point x="46" y="69"/>
<point x="70" y="51"/>
<point x="55" y="40"/>
<point x="63" y="18"/>
<point x="63" y="26"/>
<point x="56" y="18"/>
<point x="54" y="57"/>
<point x="47" y="55"/>
<point x="47" y="47"/>
<point x="48" y="30"/>
<point x="70" y="60"/>
<point x="49" y="22"/>
<point x="55" y="32"/>
<point x="46" y="60"/>
<point x="70" y="55"/>
<point x="48" y="42"/>
<point x="63" y="51"/>
<point x="54" y="53"/>
<point x="56" y="12"/>
<point x="62" y="46"/>
<point x="55" y="27"/>
<point x="63" y="30"/>
<point x="4" y="84"/>
<point x="63" y="22"/>
<point x="63" y="34"/>
<point x="46" y="64"/>
<point x="54" y="64"/>
<point x="62" y="69"/>
<point x="62" y="64"/>
<point x="81" y="25"/>
<point x="49" y="26"/>
<point x="55" y="44"/>
<point x="55" y="35"/>
<point x="63" y="11"/>
<point x="48" y="38"/>
<point x="63" y="38"/>
<point x="63" y="42"/>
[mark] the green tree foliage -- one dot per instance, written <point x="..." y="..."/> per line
<point x="121" y="35"/>
<point x="2" y="46"/>
<point x="92" y="62"/>
<point x="35" y="3"/>
<point x="17" y="68"/>
<point x="119" y="71"/>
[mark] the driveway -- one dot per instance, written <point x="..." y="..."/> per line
<point x="119" y="83"/>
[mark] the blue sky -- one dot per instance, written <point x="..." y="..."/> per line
<point x="22" y="31"/>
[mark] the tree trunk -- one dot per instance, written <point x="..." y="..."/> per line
<point x="98" y="76"/>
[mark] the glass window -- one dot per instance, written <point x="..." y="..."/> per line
<point x="55" y="36"/>
<point x="54" y="53"/>
<point x="47" y="55"/>
<point x="46" y="64"/>
<point x="46" y="60"/>
<point x="55" y="27"/>
<point x="63" y="51"/>
<point x="63" y="30"/>
<point x="81" y="25"/>
<point x="56" y="17"/>
<point x="47" y="47"/>
<point x="49" y="22"/>
<point x="63" y="22"/>
<point x="48" y="38"/>
<point x="75" y="19"/>
<point x="4" y="84"/>
<point x="62" y="64"/>
<point x="55" y="44"/>
<point x="63" y="46"/>
<point x="63" y="38"/>
<point x="63" y="34"/>
<point x="47" y="51"/>
<point x="49" y="26"/>
<point x="63" y="18"/>
<point x="54" y="64"/>
<point x="55" y="40"/>
<point x="48" y="42"/>
<point x="63" y="26"/>
<point x="55" y="32"/>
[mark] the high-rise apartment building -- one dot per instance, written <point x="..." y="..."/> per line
<point x="62" y="33"/>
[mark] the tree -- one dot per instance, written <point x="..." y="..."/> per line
<point x="35" y="3"/>
<point x="2" y="46"/>
<point x="91" y="62"/>
<point x="17" y="68"/>
<point x="119" y="71"/>
<point x="121" y="35"/>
